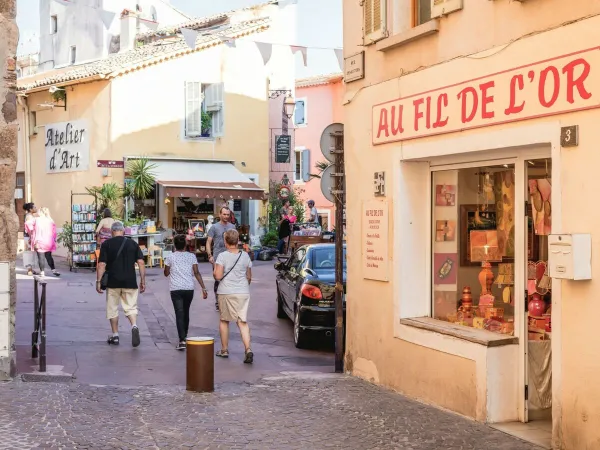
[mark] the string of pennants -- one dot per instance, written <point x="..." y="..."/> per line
<point x="190" y="36"/>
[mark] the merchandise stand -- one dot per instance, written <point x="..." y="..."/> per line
<point x="83" y="225"/>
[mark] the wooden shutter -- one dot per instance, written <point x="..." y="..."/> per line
<point x="300" y="112"/>
<point x="193" y="109"/>
<point x="374" y="26"/>
<point x="442" y="7"/>
<point x="305" y="165"/>
<point x="213" y="97"/>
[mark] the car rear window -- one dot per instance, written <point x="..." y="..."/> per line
<point x="324" y="258"/>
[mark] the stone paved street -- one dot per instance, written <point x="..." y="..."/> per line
<point x="124" y="398"/>
<point x="290" y="411"/>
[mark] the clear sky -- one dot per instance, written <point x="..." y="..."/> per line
<point x="319" y="25"/>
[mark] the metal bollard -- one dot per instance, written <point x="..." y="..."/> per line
<point x="200" y="364"/>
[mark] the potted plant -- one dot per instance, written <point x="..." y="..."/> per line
<point x="206" y="124"/>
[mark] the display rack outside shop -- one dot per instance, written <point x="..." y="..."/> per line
<point x="83" y="223"/>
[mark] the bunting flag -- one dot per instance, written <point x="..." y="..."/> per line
<point x="64" y="2"/>
<point x="150" y="24"/>
<point x="284" y="3"/>
<point x="303" y="50"/>
<point x="190" y="37"/>
<point x="339" y="53"/>
<point x="228" y="42"/>
<point x="107" y="17"/>
<point x="265" y="50"/>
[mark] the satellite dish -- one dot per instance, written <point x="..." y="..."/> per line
<point x="328" y="183"/>
<point x="328" y="142"/>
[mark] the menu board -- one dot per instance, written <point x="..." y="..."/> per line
<point x="375" y="240"/>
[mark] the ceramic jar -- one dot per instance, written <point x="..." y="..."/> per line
<point x="537" y="306"/>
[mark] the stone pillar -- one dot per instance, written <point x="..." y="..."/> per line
<point x="9" y="222"/>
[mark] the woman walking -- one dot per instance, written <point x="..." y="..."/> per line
<point x="182" y="267"/>
<point x="103" y="230"/>
<point x="44" y="241"/>
<point x="28" y="255"/>
<point x="233" y="271"/>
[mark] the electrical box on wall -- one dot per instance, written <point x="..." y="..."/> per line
<point x="570" y="256"/>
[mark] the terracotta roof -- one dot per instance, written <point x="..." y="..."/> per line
<point x="319" y="80"/>
<point x="139" y="58"/>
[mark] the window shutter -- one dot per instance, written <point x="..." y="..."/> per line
<point x="374" y="26"/>
<point x="213" y="97"/>
<point x="442" y="7"/>
<point x="193" y="109"/>
<point x="300" y="113"/>
<point x="305" y="165"/>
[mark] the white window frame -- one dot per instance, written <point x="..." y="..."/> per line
<point x="214" y="103"/>
<point x="445" y="7"/>
<point x="377" y="35"/>
<point x="305" y="100"/>
<point x="300" y="150"/>
<point x="326" y="212"/>
<point x="54" y="24"/>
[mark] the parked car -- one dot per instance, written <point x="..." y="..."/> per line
<point x="306" y="291"/>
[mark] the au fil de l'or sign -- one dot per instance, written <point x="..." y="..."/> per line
<point x="67" y="147"/>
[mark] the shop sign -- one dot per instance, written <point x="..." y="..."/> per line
<point x="559" y="85"/>
<point x="67" y="147"/>
<point x="283" y="147"/>
<point x="110" y="164"/>
<point x="354" y="67"/>
<point x="375" y="239"/>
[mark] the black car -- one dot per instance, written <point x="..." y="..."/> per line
<point x="306" y="290"/>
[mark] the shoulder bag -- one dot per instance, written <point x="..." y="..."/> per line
<point x="232" y="267"/>
<point x="104" y="279"/>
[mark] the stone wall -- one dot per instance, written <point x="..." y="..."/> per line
<point x="9" y="223"/>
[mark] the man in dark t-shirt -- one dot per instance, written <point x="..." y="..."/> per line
<point x="118" y="256"/>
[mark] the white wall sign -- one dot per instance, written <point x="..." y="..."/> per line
<point x="67" y="147"/>
<point x="375" y="240"/>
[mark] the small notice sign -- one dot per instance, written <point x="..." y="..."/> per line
<point x="111" y="164"/>
<point x="283" y="147"/>
<point x="375" y="239"/>
<point x="354" y="67"/>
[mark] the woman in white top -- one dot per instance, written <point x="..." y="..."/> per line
<point x="233" y="271"/>
<point x="182" y="267"/>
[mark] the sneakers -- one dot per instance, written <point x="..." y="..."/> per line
<point x="135" y="336"/>
<point x="56" y="273"/>
<point x="42" y="274"/>
<point x="181" y="346"/>
<point x="113" y="340"/>
<point x="249" y="359"/>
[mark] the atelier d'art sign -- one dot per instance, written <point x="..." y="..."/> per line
<point x="67" y="147"/>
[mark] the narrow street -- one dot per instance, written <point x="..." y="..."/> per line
<point x="126" y="398"/>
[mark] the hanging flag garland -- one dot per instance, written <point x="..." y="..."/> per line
<point x="228" y="42"/>
<point x="265" y="50"/>
<point x="284" y="3"/>
<point x="190" y="37"/>
<point x="303" y="50"/>
<point x="107" y="17"/>
<point x="339" y="53"/>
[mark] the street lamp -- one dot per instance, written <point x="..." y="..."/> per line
<point x="289" y="105"/>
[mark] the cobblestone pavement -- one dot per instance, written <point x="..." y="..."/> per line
<point x="297" y="410"/>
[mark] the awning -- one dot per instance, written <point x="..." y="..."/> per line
<point x="205" y="179"/>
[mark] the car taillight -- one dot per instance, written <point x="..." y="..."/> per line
<point x="312" y="292"/>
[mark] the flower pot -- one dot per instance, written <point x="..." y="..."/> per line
<point x="537" y="306"/>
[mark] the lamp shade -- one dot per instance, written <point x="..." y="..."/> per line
<point x="289" y="105"/>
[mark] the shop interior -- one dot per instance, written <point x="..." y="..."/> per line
<point x="474" y="261"/>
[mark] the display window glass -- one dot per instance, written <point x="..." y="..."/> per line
<point x="473" y="246"/>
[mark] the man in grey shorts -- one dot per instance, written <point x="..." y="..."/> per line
<point x="215" y="235"/>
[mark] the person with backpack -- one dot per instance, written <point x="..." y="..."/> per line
<point x="116" y="274"/>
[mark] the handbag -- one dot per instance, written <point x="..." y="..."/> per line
<point x="104" y="279"/>
<point x="217" y="282"/>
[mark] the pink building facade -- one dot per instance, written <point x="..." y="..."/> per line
<point x="318" y="104"/>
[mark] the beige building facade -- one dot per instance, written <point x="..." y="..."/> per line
<point x="464" y="290"/>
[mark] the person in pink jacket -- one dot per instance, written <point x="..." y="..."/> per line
<point x="44" y="240"/>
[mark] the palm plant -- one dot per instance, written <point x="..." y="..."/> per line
<point x="141" y="178"/>
<point x="320" y="166"/>
<point x="109" y="196"/>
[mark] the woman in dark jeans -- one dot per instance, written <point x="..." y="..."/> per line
<point x="182" y="267"/>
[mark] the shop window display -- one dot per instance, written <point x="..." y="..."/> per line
<point x="474" y="247"/>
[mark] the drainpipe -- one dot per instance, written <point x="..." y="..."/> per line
<point x="23" y="102"/>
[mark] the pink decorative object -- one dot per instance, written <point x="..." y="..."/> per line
<point x="537" y="306"/>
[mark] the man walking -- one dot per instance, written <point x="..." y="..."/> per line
<point x="118" y="257"/>
<point x="216" y="236"/>
<point x="313" y="215"/>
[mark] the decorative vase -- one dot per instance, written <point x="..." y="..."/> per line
<point x="537" y="306"/>
<point x="486" y="278"/>
<point x="466" y="300"/>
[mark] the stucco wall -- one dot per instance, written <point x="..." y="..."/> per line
<point x="323" y="108"/>
<point x="373" y="307"/>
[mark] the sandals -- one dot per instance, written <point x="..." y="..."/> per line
<point x="222" y="354"/>
<point x="249" y="357"/>
<point x="113" y="340"/>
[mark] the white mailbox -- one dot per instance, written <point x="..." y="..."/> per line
<point x="570" y="256"/>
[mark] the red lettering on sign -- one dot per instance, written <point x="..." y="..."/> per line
<point x="486" y="99"/>
<point x="572" y="83"/>
<point x="418" y="113"/>
<point x="439" y="122"/>
<point x="475" y="99"/>
<point x="397" y="124"/>
<point x="383" y="123"/>
<point x="555" y="86"/>
<point x="513" y="108"/>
